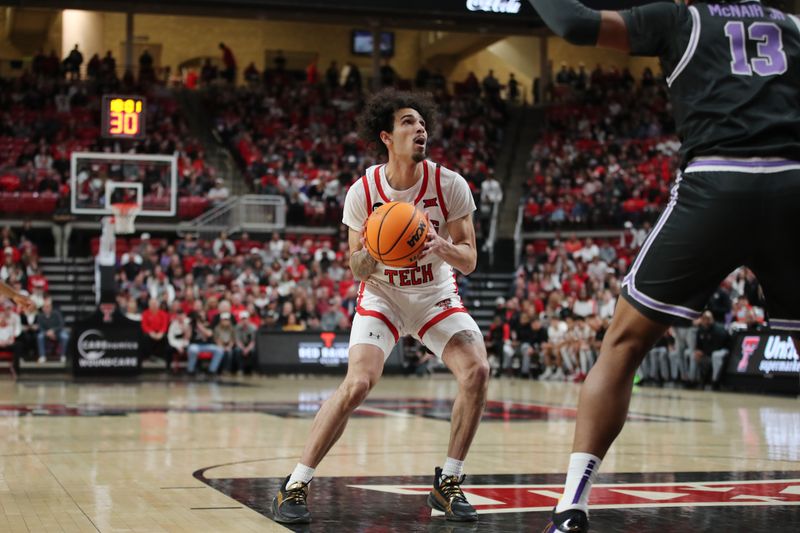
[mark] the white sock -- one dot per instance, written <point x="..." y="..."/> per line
<point x="301" y="473"/>
<point x="583" y="468"/>
<point x="453" y="467"/>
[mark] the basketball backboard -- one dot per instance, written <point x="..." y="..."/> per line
<point x="99" y="179"/>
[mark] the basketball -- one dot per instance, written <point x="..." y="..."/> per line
<point x="396" y="234"/>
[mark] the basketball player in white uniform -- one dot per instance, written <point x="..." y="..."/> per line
<point x="421" y="301"/>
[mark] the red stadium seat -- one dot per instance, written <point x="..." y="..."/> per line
<point x="10" y="203"/>
<point x="191" y="207"/>
<point x="9" y="183"/>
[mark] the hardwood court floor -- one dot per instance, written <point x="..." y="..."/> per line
<point x="207" y="457"/>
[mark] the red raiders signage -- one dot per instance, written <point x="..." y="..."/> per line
<point x="764" y="354"/>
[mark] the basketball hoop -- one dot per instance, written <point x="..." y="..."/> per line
<point x="124" y="216"/>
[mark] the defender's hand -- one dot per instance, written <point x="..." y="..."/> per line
<point x="25" y="303"/>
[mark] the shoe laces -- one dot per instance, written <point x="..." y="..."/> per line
<point x="297" y="493"/>
<point x="450" y="486"/>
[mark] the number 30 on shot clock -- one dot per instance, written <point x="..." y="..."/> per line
<point x="123" y="117"/>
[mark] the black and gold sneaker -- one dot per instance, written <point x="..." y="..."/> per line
<point x="446" y="496"/>
<point x="289" y="506"/>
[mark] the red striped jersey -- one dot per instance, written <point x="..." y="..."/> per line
<point x="441" y="192"/>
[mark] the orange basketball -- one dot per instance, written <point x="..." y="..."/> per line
<point x="396" y="234"/>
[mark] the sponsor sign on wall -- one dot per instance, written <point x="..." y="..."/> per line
<point x="106" y="343"/>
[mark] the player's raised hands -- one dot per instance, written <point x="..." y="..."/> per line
<point x="434" y="244"/>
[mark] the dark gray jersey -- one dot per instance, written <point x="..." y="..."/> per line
<point x="733" y="71"/>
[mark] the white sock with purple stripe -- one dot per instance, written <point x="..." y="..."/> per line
<point x="582" y="472"/>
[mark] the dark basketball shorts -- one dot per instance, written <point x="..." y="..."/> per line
<point x="723" y="213"/>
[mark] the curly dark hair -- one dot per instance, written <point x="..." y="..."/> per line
<point x="378" y="113"/>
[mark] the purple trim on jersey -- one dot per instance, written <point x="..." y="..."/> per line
<point x="584" y="481"/>
<point x="658" y="306"/>
<point x="743" y="164"/>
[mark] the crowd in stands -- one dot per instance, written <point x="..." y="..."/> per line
<point x="293" y="133"/>
<point x="39" y="333"/>
<point x="563" y="297"/>
<point x="53" y="110"/>
<point x="296" y="136"/>
<point x="607" y="154"/>
<point x="208" y="297"/>
<point x="606" y="160"/>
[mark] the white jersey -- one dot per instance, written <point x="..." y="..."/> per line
<point x="442" y="193"/>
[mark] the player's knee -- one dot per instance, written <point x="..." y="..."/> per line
<point x="356" y="390"/>
<point x="627" y="346"/>
<point x="476" y="378"/>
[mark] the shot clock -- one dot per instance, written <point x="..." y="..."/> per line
<point x="123" y="117"/>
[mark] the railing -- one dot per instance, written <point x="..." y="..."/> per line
<point x="251" y="212"/>
<point x="491" y="239"/>
<point x="262" y="213"/>
<point x="518" y="237"/>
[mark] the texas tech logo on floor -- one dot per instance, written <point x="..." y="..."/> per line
<point x="621" y="503"/>
<point x="530" y="498"/>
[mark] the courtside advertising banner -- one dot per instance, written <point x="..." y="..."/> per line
<point x="764" y="354"/>
<point x="307" y="352"/>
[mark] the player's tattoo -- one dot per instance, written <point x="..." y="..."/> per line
<point x="362" y="264"/>
<point x="465" y="338"/>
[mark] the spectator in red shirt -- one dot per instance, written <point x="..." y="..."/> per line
<point x="38" y="281"/>
<point x="573" y="244"/>
<point x="312" y="72"/>
<point x="499" y="333"/>
<point x="155" y="323"/>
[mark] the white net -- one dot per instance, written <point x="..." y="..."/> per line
<point x="124" y="217"/>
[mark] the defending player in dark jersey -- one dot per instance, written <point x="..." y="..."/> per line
<point x="733" y="70"/>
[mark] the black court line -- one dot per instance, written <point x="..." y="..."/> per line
<point x="213" y="508"/>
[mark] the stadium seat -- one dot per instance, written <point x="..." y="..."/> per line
<point x="9" y="183"/>
<point x="10" y="203"/>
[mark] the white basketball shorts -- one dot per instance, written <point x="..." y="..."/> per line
<point x="432" y="316"/>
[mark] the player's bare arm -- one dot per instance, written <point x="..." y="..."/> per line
<point x="582" y="26"/>
<point x="361" y="263"/>
<point x="20" y="299"/>
<point x="462" y="253"/>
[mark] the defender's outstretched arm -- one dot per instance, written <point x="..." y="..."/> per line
<point x="584" y="26"/>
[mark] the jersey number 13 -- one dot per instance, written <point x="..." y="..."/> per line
<point x="770" y="59"/>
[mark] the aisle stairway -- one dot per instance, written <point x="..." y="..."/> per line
<point x="532" y="123"/>
<point x="484" y="289"/>
<point x="71" y="285"/>
<point x="216" y="154"/>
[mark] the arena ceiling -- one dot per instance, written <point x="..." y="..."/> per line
<point x="445" y="15"/>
